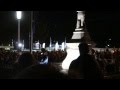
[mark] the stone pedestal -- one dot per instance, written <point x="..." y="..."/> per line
<point x="72" y="54"/>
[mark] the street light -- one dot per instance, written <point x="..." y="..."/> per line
<point x="19" y="16"/>
<point x="20" y="45"/>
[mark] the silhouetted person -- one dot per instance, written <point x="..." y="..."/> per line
<point x="85" y="66"/>
<point x="44" y="56"/>
<point x="24" y="61"/>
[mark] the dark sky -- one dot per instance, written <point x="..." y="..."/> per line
<point x="104" y="25"/>
<point x="101" y="25"/>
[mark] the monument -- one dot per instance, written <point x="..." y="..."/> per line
<point x="79" y="35"/>
<point x="79" y="32"/>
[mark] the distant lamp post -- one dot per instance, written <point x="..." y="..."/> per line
<point x="20" y="45"/>
<point x="19" y="16"/>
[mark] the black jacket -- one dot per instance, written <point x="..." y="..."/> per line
<point x="85" y="67"/>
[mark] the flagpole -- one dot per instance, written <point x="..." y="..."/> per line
<point x="31" y="33"/>
<point x="50" y="43"/>
<point x="65" y="44"/>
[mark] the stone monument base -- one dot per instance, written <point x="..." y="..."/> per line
<point x="72" y="54"/>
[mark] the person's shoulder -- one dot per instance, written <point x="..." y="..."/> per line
<point x="76" y="60"/>
<point x="73" y="61"/>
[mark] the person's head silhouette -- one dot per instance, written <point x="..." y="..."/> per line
<point x="83" y="48"/>
<point x="26" y="59"/>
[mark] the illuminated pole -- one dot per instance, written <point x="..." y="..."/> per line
<point x="65" y="46"/>
<point x="18" y="31"/>
<point x="31" y="33"/>
<point x="23" y="45"/>
<point x="19" y="15"/>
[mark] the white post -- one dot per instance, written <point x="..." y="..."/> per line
<point x="19" y="16"/>
<point x="23" y="45"/>
<point x="18" y="31"/>
<point x="31" y="34"/>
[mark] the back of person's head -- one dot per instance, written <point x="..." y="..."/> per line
<point x="83" y="48"/>
<point x="43" y="50"/>
<point x="26" y="59"/>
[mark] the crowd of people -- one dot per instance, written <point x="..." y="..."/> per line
<point x="109" y="60"/>
<point x="91" y="64"/>
<point x="14" y="62"/>
<point x="54" y="56"/>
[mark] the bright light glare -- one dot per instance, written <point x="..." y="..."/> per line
<point x="19" y="45"/>
<point x="19" y="14"/>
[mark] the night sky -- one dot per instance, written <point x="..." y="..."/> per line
<point x="102" y="25"/>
